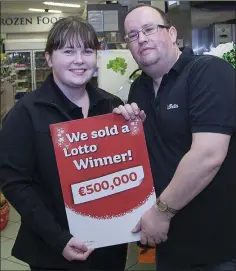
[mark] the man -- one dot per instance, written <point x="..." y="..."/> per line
<point x="189" y="103"/>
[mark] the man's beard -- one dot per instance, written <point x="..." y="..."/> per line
<point x="149" y="62"/>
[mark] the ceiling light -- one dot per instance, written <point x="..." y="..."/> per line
<point x="62" y="5"/>
<point x="44" y="10"/>
<point x="54" y="11"/>
<point x="36" y="10"/>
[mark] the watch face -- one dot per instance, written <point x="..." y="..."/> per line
<point x="163" y="207"/>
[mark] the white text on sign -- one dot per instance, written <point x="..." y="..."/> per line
<point x="107" y="185"/>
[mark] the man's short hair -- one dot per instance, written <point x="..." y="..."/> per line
<point x="164" y="16"/>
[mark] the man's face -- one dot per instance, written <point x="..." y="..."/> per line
<point x="149" y="50"/>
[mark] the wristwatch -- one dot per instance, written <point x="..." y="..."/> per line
<point x="163" y="207"/>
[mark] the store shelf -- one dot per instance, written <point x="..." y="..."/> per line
<point x="44" y="69"/>
<point x="7" y="78"/>
<point x="22" y="80"/>
<point x="5" y="66"/>
<point x="115" y="42"/>
<point x="26" y="66"/>
<point x="22" y="90"/>
<point x="22" y="68"/>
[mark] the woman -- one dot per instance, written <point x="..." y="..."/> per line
<point x="29" y="177"/>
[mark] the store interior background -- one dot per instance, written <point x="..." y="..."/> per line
<point x="200" y="25"/>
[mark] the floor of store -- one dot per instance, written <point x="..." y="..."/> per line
<point x="8" y="236"/>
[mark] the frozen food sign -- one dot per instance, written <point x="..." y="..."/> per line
<point x="26" y="23"/>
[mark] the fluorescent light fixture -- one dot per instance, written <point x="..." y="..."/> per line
<point x="43" y="10"/>
<point x="36" y="10"/>
<point x="62" y="5"/>
<point x="54" y="11"/>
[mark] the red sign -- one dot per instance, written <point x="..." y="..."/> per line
<point x="103" y="165"/>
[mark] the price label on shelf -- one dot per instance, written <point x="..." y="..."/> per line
<point x="107" y="185"/>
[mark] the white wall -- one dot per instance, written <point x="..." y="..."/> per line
<point x="25" y="44"/>
<point x="27" y="31"/>
<point x="26" y="36"/>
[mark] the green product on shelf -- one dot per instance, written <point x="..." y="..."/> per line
<point x="231" y="56"/>
<point x="118" y="65"/>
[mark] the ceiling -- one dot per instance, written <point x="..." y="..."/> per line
<point x="21" y="6"/>
<point x="214" y="5"/>
<point x="208" y="12"/>
<point x="201" y="15"/>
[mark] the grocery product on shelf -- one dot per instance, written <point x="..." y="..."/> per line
<point x="41" y="68"/>
<point x="7" y="90"/>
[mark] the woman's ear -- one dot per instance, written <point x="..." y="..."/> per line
<point x="173" y="34"/>
<point x="48" y="59"/>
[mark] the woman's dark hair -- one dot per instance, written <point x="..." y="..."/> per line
<point x="71" y="31"/>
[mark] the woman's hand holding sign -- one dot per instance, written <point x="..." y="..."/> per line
<point x="130" y="111"/>
<point x="76" y="250"/>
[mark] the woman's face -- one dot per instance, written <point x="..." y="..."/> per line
<point x="73" y="67"/>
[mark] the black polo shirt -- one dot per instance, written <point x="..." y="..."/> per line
<point x="197" y="95"/>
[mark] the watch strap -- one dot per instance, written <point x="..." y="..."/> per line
<point x="168" y="209"/>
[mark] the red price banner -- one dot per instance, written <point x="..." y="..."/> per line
<point x="107" y="185"/>
<point x="104" y="185"/>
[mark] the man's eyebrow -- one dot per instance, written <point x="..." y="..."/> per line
<point x="144" y="25"/>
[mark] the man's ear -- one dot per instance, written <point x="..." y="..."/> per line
<point x="48" y="59"/>
<point x="173" y="34"/>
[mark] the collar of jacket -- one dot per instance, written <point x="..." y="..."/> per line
<point x="48" y="93"/>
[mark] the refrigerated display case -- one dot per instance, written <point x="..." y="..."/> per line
<point x="41" y="69"/>
<point x="31" y="69"/>
<point x="23" y="67"/>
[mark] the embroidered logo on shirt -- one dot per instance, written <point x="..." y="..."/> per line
<point x="172" y="106"/>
